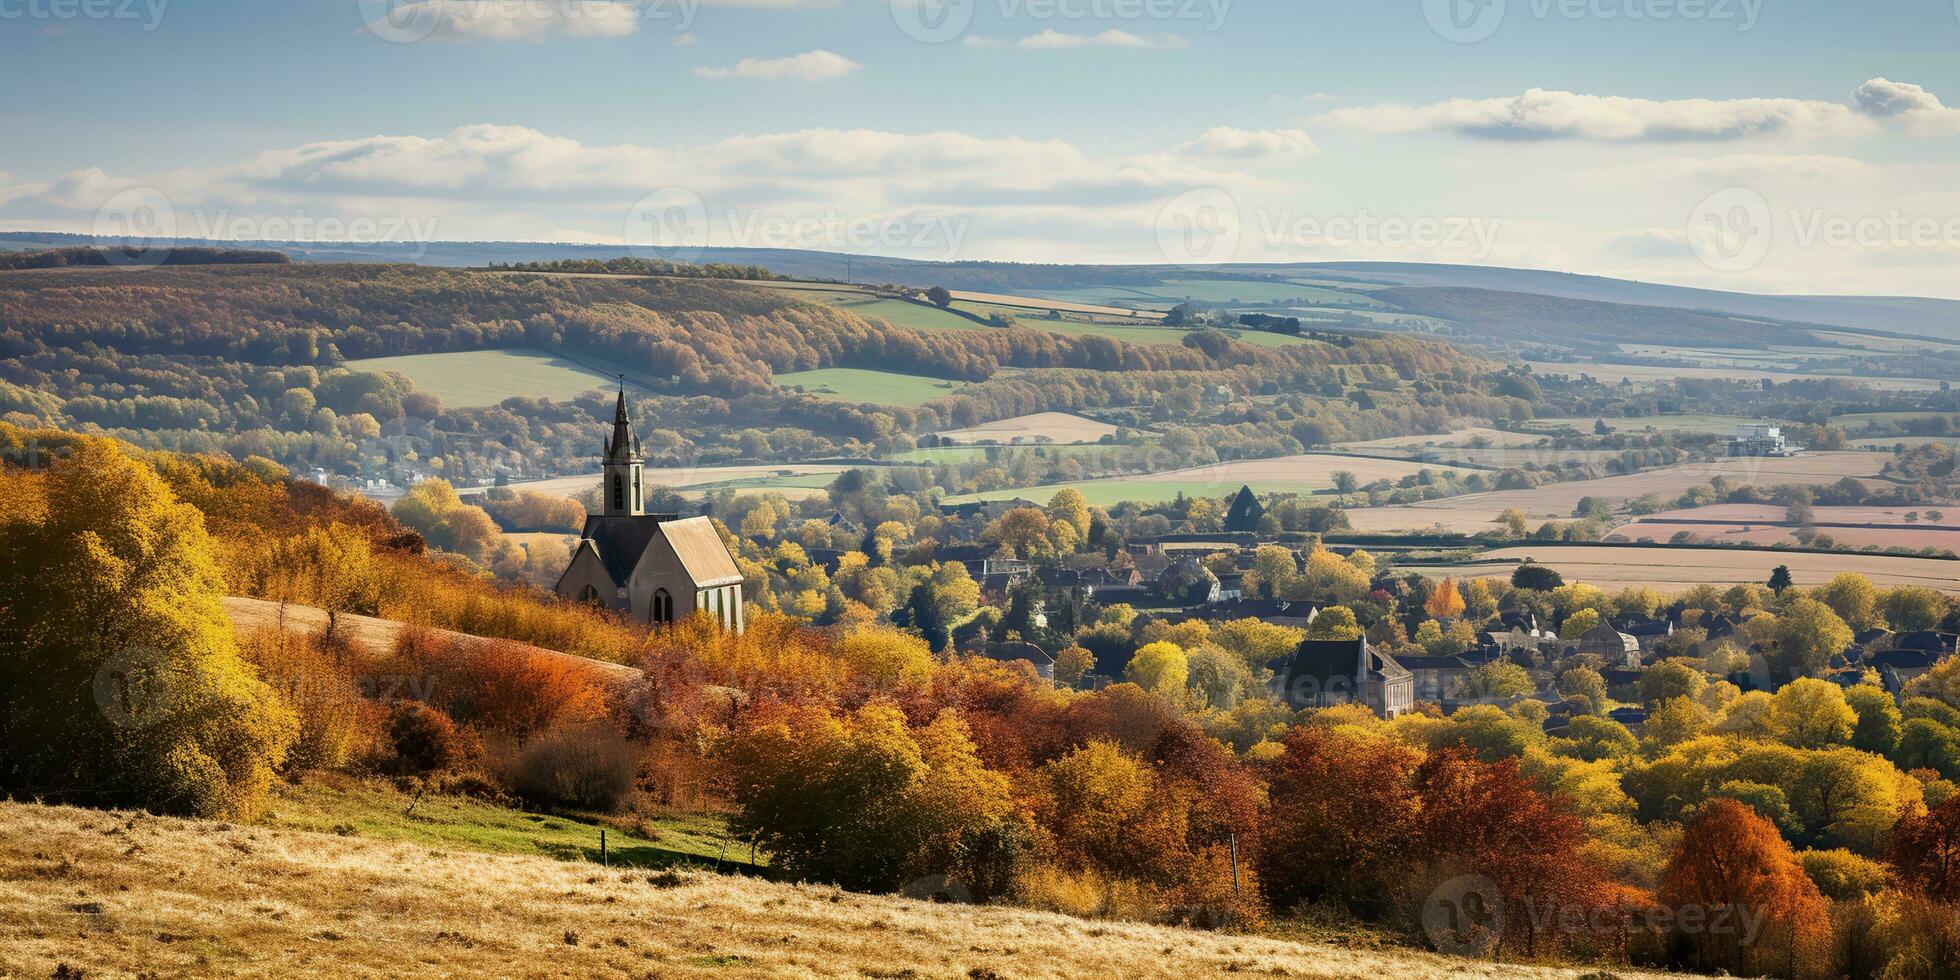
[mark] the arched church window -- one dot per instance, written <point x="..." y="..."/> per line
<point x="589" y="594"/>
<point x="663" y="607"/>
<point x="619" y="493"/>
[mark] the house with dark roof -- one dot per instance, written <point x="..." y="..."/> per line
<point x="1617" y="649"/>
<point x="1325" y="673"/>
<point x="1436" y="678"/>
<point x="1897" y="668"/>
<point x="656" y="568"/>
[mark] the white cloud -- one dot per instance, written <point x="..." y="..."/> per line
<point x="1921" y="111"/>
<point x="811" y="66"/>
<point x="509" y="20"/>
<point x="1224" y="141"/>
<point x="1544" y="114"/>
<point x="1054" y="40"/>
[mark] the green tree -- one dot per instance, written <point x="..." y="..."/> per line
<point x="1910" y="608"/>
<point x="1586" y="683"/>
<point x="1806" y="636"/>
<point x="124" y="685"/>
<point x="1346" y="483"/>
<point x="1853" y="598"/>
<point x="1780" y="579"/>
<point x="1878" y="719"/>
<point x="1159" y="667"/>
<point x="1334" y="623"/>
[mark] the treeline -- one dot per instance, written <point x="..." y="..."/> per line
<point x="628" y="266"/>
<point x="130" y="255"/>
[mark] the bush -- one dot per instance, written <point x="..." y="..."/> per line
<point x="499" y="686"/>
<point x="336" y="723"/>
<point x="583" y="768"/>
<point x="424" y="740"/>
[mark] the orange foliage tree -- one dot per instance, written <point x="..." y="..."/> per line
<point x="1739" y="899"/>
<point x="1925" y="851"/>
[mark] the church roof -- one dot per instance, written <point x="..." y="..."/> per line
<point x="702" y="552"/>
<point x="620" y="539"/>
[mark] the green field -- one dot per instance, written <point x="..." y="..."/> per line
<point x="861" y="387"/>
<point x="375" y="810"/>
<point x="481" y="378"/>
<point x="1153" y="335"/>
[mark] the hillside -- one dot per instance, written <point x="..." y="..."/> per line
<point x="111" y="893"/>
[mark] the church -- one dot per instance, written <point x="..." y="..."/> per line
<point x="656" y="568"/>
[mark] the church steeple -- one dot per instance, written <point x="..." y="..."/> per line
<point x="620" y="491"/>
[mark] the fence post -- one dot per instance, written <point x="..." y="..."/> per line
<point x="604" y="860"/>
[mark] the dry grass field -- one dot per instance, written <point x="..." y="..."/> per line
<point x="1556" y="501"/>
<point x="1459" y="438"/>
<point x="1059" y="427"/>
<point x="373" y="638"/>
<point x="1769" y="534"/>
<point x="1676" y="569"/>
<point x="128" y="894"/>
<point x="1613" y="374"/>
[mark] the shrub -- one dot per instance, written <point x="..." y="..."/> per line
<point x="424" y="740"/>
<point x="499" y="686"/>
<point x="336" y="723"/>
<point x="587" y="767"/>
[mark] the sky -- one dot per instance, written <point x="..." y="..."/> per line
<point x="1777" y="146"/>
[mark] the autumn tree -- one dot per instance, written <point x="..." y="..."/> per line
<point x="1158" y="667"/>
<point x="861" y="800"/>
<point x="1731" y="858"/>
<point x="1925" y="851"/>
<point x="1334" y="623"/>
<point x="1806" y="636"/>
<point x="1334" y="794"/>
<point x="123" y="684"/>
<point x="1445" y="603"/>
<point x="1853" y="598"/>
<point x="1812" y="714"/>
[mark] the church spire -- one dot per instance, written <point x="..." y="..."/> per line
<point x="622" y="447"/>
<point x="621" y="490"/>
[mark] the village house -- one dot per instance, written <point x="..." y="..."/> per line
<point x="656" y="568"/>
<point x="1325" y="673"/>
<point x="1615" y="648"/>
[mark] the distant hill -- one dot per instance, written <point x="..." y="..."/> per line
<point x="1918" y="316"/>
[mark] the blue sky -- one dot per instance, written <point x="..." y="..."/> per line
<point x="1562" y="135"/>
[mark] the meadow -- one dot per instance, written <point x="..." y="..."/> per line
<point x="859" y="386"/>
<point x="481" y="378"/>
<point x="111" y="893"/>
<point x="1721" y="425"/>
<point x="1678" y="569"/>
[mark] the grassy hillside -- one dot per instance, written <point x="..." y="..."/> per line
<point x="117" y="893"/>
